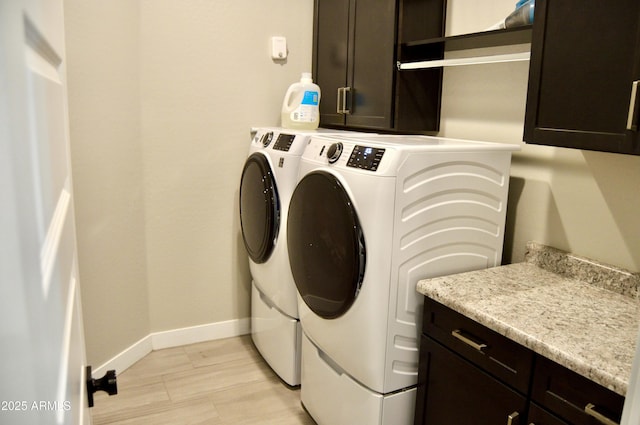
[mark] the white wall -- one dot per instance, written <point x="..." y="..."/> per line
<point x="103" y="52"/>
<point x="163" y="94"/>
<point x="206" y="78"/>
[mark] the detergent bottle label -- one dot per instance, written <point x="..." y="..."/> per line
<point x="310" y="98"/>
<point x="307" y="111"/>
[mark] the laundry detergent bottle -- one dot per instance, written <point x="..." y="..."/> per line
<point x="300" y="108"/>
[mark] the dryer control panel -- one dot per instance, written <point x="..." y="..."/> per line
<point x="366" y="158"/>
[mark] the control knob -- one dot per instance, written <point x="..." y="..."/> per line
<point x="266" y="138"/>
<point x="334" y="152"/>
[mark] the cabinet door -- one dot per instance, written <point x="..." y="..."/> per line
<point x="584" y="60"/>
<point x="508" y="361"/>
<point x="572" y="397"/>
<point x="539" y="416"/>
<point x="453" y="391"/>
<point x="372" y="66"/>
<point x="331" y="37"/>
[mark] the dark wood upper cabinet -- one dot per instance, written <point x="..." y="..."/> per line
<point x="357" y="44"/>
<point x="585" y="64"/>
<point x="353" y="62"/>
<point x="583" y="79"/>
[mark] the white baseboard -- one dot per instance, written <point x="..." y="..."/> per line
<point x="173" y="338"/>
<point x="201" y="333"/>
<point x="126" y="358"/>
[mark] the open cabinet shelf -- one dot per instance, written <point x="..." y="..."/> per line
<point x="429" y="53"/>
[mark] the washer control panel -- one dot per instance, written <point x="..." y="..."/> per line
<point x="284" y="142"/>
<point x="366" y="158"/>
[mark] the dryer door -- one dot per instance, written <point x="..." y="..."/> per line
<point x="259" y="208"/>
<point x="326" y="245"/>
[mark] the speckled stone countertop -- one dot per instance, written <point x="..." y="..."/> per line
<point x="577" y="312"/>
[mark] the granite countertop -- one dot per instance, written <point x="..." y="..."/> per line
<point x="577" y="312"/>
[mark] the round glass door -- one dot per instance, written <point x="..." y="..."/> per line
<point x="259" y="208"/>
<point x="326" y="245"/>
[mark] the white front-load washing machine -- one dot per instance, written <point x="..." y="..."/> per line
<point x="367" y="220"/>
<point x="268" y="179"/>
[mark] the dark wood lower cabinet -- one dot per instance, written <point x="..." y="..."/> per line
<point x="539" y="416"/>
<point x="572" y="397"/>
<point x="455" y="391"/>
<point x="470" y="375"/>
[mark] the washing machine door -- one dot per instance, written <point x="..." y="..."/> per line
<point x="326" y="245"/>
<point x="259" y="208"/>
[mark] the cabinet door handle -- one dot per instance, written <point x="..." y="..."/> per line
<point x="477" y="345"/>
<point x="347" y="93"/>
<point x="512" y="419"/>
<point x="590" y="409"/>
<point x="339" y="101"/>
<point x="632" y="123"/>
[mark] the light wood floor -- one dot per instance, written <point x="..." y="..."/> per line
<point x="219" y="382"/>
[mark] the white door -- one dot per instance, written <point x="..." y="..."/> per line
<point x="42" y="352"/>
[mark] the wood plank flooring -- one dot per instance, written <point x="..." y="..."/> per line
<point x="219" y="382"/>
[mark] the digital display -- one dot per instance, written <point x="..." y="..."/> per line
<point x="366" y="158"/>
<point x="284" y="141"/>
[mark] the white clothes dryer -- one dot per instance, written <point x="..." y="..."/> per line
<point x="367" y="220"/>
<point x="268" y="180"/>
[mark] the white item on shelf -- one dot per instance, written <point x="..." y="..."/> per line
<point x="300" y="107"/>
